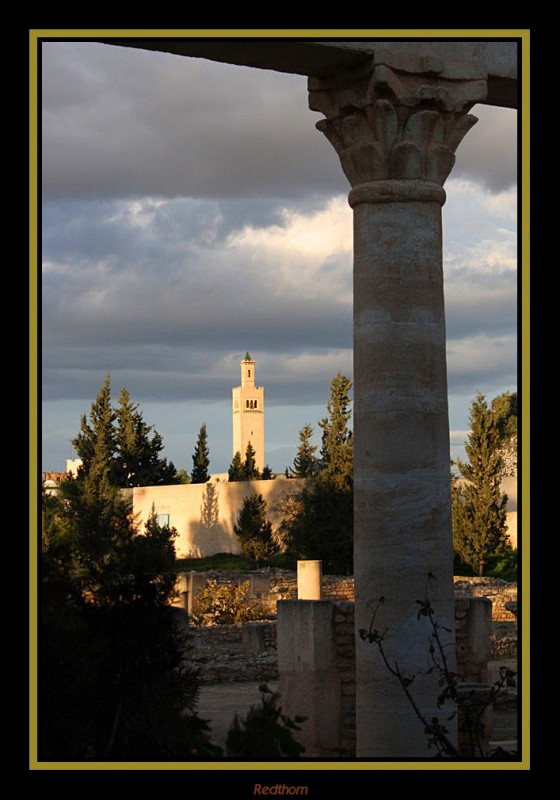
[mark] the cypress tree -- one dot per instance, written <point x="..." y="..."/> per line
<point x="504" y="411"/>
<point x="201" y="460"/>
<point x="97" y="441"/>
<point x="478" y="504"/>
<point x="139" y="462"/>
<point x="337" y="441"/>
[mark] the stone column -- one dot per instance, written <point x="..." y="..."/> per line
<point x="395" y="125"/>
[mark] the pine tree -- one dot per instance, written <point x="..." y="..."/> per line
<point x="254" y="531"/>
<point x="201" y="460"/>
<point x="478" y="504"/>
<point x="139" y="462"/>
<point x="305" y="463"/>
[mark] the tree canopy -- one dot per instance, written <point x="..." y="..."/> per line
<point x="235" y="471"/>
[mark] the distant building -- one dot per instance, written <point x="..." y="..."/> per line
<point x="248" y="414"/>
<point x="72" y="465"/>
<point x="52" y="480"/>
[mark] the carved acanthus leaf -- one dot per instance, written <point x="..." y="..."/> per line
<point x="397" y="125"/>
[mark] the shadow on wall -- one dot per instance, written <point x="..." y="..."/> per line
<point x="208" y="533"/>
<point x="210" y="507"/>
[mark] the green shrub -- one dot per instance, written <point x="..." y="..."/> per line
<point x="503" y="566"/>
<point x="225" y="604"/>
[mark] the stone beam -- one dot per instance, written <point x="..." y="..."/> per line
<point x="496" y="59"/>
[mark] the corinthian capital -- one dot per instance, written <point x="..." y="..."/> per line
<point x="399" y="118"/>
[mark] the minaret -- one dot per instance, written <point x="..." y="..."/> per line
<point x="248" y="413"/>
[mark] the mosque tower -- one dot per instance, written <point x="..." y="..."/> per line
<point x="248" y="413"/>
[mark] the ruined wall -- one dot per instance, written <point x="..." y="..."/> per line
<point x="227" y="653"/>
<point x="239" y="653"/>
<point x="270" y="585"/>
<point x="224" y="653"/>
<point x="498" y="591"/>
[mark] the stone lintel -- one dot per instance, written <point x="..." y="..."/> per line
<point x="496" y="59"/>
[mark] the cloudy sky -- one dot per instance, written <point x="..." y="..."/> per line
<point x="191" y="212"/>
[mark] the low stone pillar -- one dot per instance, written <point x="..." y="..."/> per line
<point x="181" y="599"/>
<point x="316" y="666"/>
<point x="310" y="580"/>
<point x="196" y="584"/>
<point x="476" y="720"/>
<point x="473" y="631"/>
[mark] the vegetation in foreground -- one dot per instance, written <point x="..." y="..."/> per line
<point x="113" y="683"/>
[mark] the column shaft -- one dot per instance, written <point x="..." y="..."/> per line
<point x="402" y="524"/>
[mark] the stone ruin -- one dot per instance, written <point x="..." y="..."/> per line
<point x="308" y="644"/>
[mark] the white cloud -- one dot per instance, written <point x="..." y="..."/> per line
<point x="476" y="359"/>
<point x="295" y="254"/>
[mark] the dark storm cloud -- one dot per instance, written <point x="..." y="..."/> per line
<point x="488" y="154"/>
<point x="476" y="303"/>
<point x="120" y="122"/>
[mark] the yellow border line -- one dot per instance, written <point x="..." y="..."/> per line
<point x="33" y="395"/>
<point x="524" y="302"/>
<point x="289" y="33"/>
<point x="523" y="35"/>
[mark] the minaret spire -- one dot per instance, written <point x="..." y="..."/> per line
<point x="248" y="413"/>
